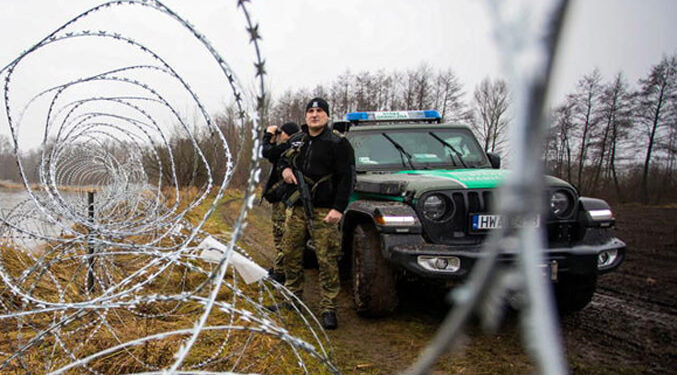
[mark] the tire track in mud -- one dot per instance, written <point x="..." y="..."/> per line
<point x="630" y="326"/>
<point x="632" y="319"/>
<point x="651" y="302"/>
<point x="640" y="311"/>
<point x="619" y="329"/>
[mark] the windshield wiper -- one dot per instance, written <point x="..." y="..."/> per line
<point x="401" y="150"/>
<point x="454" y="150"/>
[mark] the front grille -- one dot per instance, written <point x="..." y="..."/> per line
<point x="455" y="228"/>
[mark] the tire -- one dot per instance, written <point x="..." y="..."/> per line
<point x="373" y="279"/>
<point x="574" y="292"/>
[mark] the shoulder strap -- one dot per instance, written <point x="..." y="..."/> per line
<point x="318" y="182"/>
<point x="314" y="184"/>
<point x="295" y="144"/>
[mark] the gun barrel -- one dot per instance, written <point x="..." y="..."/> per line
<point x="306" y="199"/>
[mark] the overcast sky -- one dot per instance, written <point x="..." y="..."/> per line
<point x="309" y="42"/>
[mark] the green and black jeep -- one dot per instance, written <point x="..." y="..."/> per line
<point x="424" y="202"/>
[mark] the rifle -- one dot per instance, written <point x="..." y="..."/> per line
<point x="307" y="201"/>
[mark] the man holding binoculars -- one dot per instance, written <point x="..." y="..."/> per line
<point x="275" y="191"/>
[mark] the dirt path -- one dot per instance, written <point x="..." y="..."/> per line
<point x="629" y="328"/>
<point x="632" y="320"/>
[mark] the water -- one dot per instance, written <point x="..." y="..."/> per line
<point x="10" y="198"/>
<point x="29" y="222"/>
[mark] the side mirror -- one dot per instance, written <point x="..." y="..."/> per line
<point x="495" y="160"/>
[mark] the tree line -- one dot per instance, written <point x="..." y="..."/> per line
<point x="419" y="88"/>
<point x="611" y="139"/>
<point x="616" y="139"/>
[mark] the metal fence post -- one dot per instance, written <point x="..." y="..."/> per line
<point x="90" y="244"/>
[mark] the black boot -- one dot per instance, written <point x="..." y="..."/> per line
<point x="329" y="320"/>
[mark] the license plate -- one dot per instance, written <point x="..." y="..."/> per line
<point x="485" y="222"/>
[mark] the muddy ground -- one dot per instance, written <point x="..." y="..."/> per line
<point x="629" y="328"/>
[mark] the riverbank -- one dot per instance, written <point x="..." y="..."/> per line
<point x="13" y="185"/>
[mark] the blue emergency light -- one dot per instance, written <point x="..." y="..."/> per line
<point x="394" y="116"/>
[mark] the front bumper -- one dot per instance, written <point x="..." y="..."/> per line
<point x="578" y="258"/>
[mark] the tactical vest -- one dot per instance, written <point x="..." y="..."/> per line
<point x="292" y="154"/>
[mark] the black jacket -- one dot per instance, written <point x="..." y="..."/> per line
<point x="316" y="157"/>
<point x="273" y="152"/>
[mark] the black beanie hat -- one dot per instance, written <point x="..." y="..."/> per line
<point x="318" y="103"/>
<point x="290" y="128"/>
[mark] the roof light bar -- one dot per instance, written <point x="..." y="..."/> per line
<point x="392" y="116"/>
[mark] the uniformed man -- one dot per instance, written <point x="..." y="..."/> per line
<point x="275" y="190"/>
<point x="326" y="160"/>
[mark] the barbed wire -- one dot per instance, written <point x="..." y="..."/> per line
<point x="105" y="263"/>
<point x="527" y="57"/>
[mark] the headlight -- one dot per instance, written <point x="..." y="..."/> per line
<point x="434" y="207"/>
<point x="560" y="204"/>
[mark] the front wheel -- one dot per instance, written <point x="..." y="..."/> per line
<point x="374" y="282"/>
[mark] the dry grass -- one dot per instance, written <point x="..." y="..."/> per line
<point x="94" y="330"/>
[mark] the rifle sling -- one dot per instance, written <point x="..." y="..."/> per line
<point x="297" y="194"/>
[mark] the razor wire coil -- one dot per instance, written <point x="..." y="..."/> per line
<point x="76" y="271"/>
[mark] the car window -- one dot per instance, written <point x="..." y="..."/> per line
<point x="373" y="150"/>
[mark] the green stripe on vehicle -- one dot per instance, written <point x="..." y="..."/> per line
<point x="471" y="178"/>
<point x="359" y="195"/>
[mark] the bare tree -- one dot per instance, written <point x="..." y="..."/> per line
<point x="615" y="111"/>
<point x="383" y="85"/>
<point x="656" y="99"/>
<point x="7" y="159"/>
<point x="291" y="107"/>
<point x="560" y="141"/>
<point x="396" y="99"/>
<point x="340" y="92"/>
<point x="490" y="106"/>
<point x="423" y="87"/>
<point x="364" y="89"/>
<point x="448" y="97"/>
<point x="409" y="89"/>
<point x="585" y="102"/>
<point x="670" y="147"/>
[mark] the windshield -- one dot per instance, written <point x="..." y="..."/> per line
<point x="417" y="148"/>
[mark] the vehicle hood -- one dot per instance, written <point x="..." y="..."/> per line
<point x="422" y="181"/>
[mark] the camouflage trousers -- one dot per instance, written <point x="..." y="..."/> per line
<point x="326" y="240"/>
<point x="278" y="218"/>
